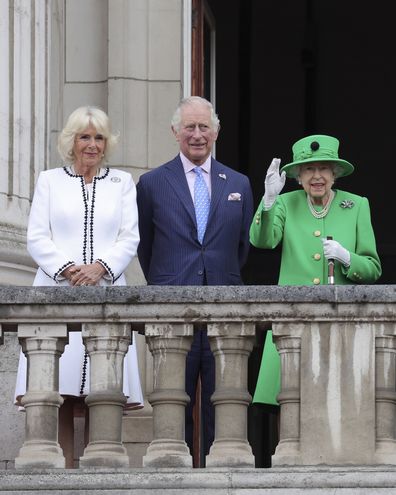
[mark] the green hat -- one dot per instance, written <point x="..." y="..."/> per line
<point x="317" y="148"/>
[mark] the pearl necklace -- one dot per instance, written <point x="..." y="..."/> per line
<point x="321" y="213"/>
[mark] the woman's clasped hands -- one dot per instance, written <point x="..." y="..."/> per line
<point x="84" y="274"/>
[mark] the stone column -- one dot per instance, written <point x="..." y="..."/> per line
<point x="337" y="392"/>
<point x="169" y="344"/>
<point x="106" y="345"/>
<point x="289" y="346"/>
<point x="23" y="137"/>
<point x="231" y="344"/>
<point x="385" y="395"/>
<point x="43" y="346"/>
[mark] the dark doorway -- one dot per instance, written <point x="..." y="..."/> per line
<point x="287" y="69"/>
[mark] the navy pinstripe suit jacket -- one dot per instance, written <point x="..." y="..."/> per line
<point x="169" y="251"/>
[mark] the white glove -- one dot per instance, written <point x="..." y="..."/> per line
<point x="334" y="250"/>
<point x="273" y="183"/>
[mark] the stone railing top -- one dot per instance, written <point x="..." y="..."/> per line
<point x="144" y="294"/>
<point x="148" y="304"/>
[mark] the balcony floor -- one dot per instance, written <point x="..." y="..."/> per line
<point x="323" y="480"/>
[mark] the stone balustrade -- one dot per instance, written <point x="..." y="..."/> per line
<point x="337" y="346"/>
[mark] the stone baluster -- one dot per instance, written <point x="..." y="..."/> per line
<point x="43" y="345"/>
<point x="231" y="344"/>
<point x="288" y="449"/>
<point x="385" y="395"/>
<point x="169" y="344"/>
<point x="323" y="416"/>
<point x="106" y="345"/>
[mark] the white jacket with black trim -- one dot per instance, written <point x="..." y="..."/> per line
<point x="71" y="223"/>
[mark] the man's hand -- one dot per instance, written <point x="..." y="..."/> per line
<point x="273" y="184"/>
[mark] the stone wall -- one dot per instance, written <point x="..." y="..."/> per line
<point x="125" y="56"/>
<point x="336" y="344"/>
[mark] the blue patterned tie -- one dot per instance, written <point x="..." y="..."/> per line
<point x="202" y="203"/>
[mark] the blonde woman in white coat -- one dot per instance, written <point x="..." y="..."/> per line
<point x="83" y="230"/>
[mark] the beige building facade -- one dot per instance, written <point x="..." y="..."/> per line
<point x="136" y="59"/>
<point x="131" y="58"/>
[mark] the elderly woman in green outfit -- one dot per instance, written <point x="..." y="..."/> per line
<point x="315" y="224"/>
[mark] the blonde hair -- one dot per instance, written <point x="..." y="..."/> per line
<point x="77" y="122"/>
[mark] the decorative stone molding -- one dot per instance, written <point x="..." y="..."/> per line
<point x="385" y="394"/>
<point x="106" y="344"/>
<point x="288" y="342"/>
<point x="43" y="345"/>
<point x="337" y="348"/>
<point x="231" y="344"/>
<point x="169" y="344"/>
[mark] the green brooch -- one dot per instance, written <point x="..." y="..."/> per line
<point x="347" y="203"/>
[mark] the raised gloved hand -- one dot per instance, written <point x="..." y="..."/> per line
<point x="273" y="183"/>
<point x="334" y="250"/>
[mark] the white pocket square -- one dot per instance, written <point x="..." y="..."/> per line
<point x="234" y="197"/>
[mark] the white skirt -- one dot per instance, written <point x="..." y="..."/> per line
<point x="71" y="362"/>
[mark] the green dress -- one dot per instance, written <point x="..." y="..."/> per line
<point x="290" y="221"/>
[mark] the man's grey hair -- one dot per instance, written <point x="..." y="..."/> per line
<point x="191" y="100"/>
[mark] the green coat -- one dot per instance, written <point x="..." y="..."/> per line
<point x="302" y="263"/>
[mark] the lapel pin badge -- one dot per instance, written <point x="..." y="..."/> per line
<point x="223" y="176"/>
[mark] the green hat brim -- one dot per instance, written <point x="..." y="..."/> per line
<point x="345" y="167"/>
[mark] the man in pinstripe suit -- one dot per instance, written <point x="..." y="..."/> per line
<point x="170" y="252"/>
